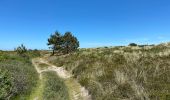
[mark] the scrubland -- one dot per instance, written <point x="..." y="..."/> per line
<point x="17" y="75"/>
<point x="108" y="73"/>
<point x="121" y="73"/>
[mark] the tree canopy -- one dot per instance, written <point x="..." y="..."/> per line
<point x="133" y="44"/>
<point x="65" y="44"/>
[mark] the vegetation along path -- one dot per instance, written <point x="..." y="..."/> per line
<point x="75" y="90"/>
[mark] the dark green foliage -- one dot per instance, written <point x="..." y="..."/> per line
<point x="55" y="41"/>
<point x="65" y="44"/>
<point x="70" y="43"/>
<point x="133" y="44"/>
<point x="21" y="50"/>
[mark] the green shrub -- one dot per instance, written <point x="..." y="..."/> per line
<point x="21" y="49"/>
<point x="6" y="84"/>
<point x="22" y="72"/>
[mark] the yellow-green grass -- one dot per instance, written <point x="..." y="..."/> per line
<point x="54" y="87"/>
<point x="43" y="66"/>
<point x="73" y="89"/>
<point x="37" y="92"/>
<point x="50" y="87"/>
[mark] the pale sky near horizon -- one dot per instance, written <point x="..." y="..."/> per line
<point x="94" y="22"/>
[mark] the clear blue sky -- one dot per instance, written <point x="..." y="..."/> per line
<point x="94" y="22"/>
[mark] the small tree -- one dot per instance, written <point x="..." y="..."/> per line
<point x="55" y="42"/>
<point x="63" y="43"/>
<point x="133" y="44"/>
<point x="21" y="49"/>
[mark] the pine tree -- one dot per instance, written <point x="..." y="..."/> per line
<point x="55" y="42"/>
<point x="65" y="44"/>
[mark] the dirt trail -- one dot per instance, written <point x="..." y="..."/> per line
<point x="76" y="91"/>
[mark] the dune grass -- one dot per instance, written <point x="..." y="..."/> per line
<point x="73" y="89"/>
<point x="37" y="92"/>
<point x="43" y="66"/>
<point x="54" y="87"/>
<point x="50" y="87"/>
<point x="136" y="73"/>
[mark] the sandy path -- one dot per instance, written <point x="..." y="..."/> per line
<point x="76" y="91"/>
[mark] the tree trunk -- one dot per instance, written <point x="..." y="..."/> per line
<point x="53" y="52"/>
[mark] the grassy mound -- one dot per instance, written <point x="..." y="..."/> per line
<point x="136" y="73"/>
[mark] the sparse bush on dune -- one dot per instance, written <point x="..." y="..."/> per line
<point x="24" y="52"/>
<point x="133" y="74"/>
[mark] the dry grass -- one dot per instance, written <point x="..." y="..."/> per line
<point x="131" y="73"/>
